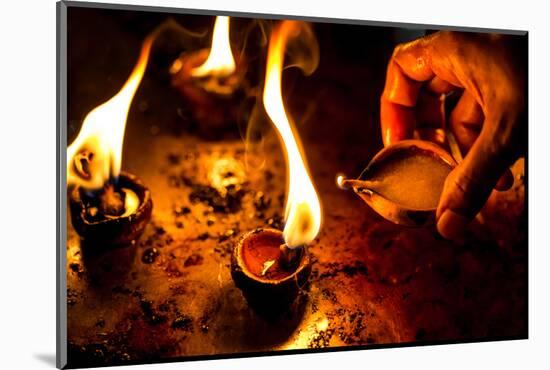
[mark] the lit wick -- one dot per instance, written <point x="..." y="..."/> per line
<point x="290" y="257"/>
<point x="346" y="184"/>
<point x="109" y="202"/>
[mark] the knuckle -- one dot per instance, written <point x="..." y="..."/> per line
<point x="503" y="139"/>
<point x="464" y="184"/>
<point x="467" y="193"/>
<point x="398" y="51"/>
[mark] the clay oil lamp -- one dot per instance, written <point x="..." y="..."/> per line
<point x="211" y="80"/>
<point x="268" y="272"/>
<point x="404" y="181"/>
<point x="108" y="207"/>
<point x="269" y="266"/>
<point x="116" y="215"/>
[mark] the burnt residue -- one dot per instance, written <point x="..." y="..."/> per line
<point x="347" y="325"/>
<point x="351" y="331"/>
<point x="329" y="295"/>
<point x="183" y="322"/>
<point x="350" y="270"/>
<point x="262" y="202"/>
<point x="150" y="255"/>
<point x="203" y="236"/>
<point x="135" y="337"/>
<point x="92" y="354"/>
<point x="159" y="238"/>
<point x="225" y="248"/>
<point x="72" y="297"/>
<point x="75" y="267"/>
<point x="182" y="211"/>
<point x="226" y="200"/>
<point x="357" y="268"/>
<point x="203" y="324"/>
<point x="321" y="338"/>
<point x="228" y="234"/>
<point x="230" y="202"/>
<point x="152" y="315"/>
<point x="100" y="323"/>
<point x="193" y="260"/>
<point x="118" y="289"/>
<point x="179" y="289"/>
<point x="174" y="159"/>
<point x="276" y="222"/>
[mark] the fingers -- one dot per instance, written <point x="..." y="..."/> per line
<point x="400" y="88"/>
<point x="440" y="63"/>
<point x="468" y="186"/>
<point x="397" y="121"/>
<point x="407" y="69"/>
<point x="466" y="121"/>
<point x="397" y="116"/>
<point x="430" y="111"/>
<point x="430" y="118"/>
<point x="439" y="86"/>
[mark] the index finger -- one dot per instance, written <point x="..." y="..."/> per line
<point x="408" y="68"/>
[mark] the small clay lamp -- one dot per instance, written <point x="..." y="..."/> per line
<point x="214" y="101"/>
<point x="269" y="273"/>
<point x="113" y="216"/>
<point x="211" y="80"/>
<point x="404" y="181"/>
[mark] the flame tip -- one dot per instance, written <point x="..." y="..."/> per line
<point x="303" y="208"/>
<point x="102" y="131"/>
<point x="220" y="61"/>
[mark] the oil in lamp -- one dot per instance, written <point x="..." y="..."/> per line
<point x="211" y="80"/>
<point x="108" y="207"/>
<point x="270" y="266"/>
<point x="404" y="181"/>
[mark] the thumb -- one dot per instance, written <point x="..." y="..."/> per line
<point x="469" y="185"/>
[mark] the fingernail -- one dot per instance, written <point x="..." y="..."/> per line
<point x="451" y="224"/>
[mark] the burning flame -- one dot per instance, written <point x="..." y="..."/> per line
<point x="303" y="209"/>
<point x="340" y="181"/>
<point x="220" y="61"/>
<point x="95" y="155"/>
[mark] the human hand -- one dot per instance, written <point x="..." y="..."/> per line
<point x="489" y="121"/>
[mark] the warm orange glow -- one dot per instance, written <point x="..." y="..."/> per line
<point x="303" y="209"/>
<point x="220" y="61"/>
<point x="99" y="142"/>
<point x="340" y="181"/>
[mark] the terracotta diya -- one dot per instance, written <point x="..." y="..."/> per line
<point x="212" y="81"/>
<point x="269" y="277"/>
<point x="404" y="181"/>
<point x="114" y="216"/>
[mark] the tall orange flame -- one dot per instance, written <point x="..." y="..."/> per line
<point x="303" y="209"/>
<point x="99" y="142"/>
<point x="220" y="61"/>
